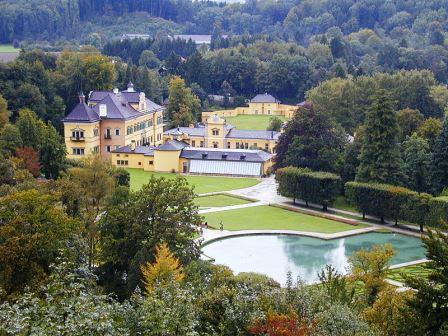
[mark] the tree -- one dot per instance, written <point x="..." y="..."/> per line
<point x="409" y="121"/>
<point x="165" y="270"/>
<point x="31" y="129"/>
<point x="439" y="166"/>
<point x="30" y="159"/>
<point x="370" y="266"/>
<point x="52" y="153"/>
<point x="162" y="211"/>
<point x="4" y="113"/>
<point x="183" y="105"/>
<point x="94" y="183"/>
<point x="430" y="130"/>
<point x="282" y="325"/>
<point x="275" y="124"/>
<point x="149" y="59"/>
<point x="310" y="140"/>
<point x="391" y="314"/>
<point x="10" y="139"/>
<point x="430" y="300"/>
<point x="417" y="160"/>
<point x="380" y="158"/>
<point x="33" y="230"/>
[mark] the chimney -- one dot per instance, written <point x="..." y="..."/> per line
<point x="116" y="91"/>
<point x="82" y="98"/>
<point x="103" y="110"/>
<point x="133" y="145"/>
<point x="142" y="101"/>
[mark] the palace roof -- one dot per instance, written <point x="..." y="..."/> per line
<point x="82" y="113"/>
<point x="264" y="98"/>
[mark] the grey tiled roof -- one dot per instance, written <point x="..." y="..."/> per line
<point x="82" y="113"/>
<point x="116" y="108"/>
<point x="264" y="98"/>
<point x="249" y="134"/>
<point x="131" y="97"/>
<point x="172" y="145"/>
<point x="147" y="150"/>
<point x="193" y="131"/>
<point x="246" y="155"/>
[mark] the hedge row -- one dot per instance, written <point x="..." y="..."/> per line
<point x="316" y="187"/>
<point x="397" y="203"/>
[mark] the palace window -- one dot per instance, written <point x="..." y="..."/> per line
<point x="215" y="145"/>
<point x="215" y="131"/>
<point x="193" y="143"/>
<point x="202" y="143"/>
<point x="237" y="145"/>
<point x="228" y="145"/>
<point x="246" y="145"/>
<point x="78" y="134"/>
<point x="117" y="131"/>
<point x="96" y="149"/>
<point x="96" y="132"/>
<point x="108" y="149"/>
<point x="78" y="151"/>
<point x="151" y="162"/>
<point x="266" y="146"/>
<point x="117" y="147"/>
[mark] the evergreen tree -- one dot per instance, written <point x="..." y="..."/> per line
<point x="430" y="299"/>
<point x="417" y="159"/>
<point x="440" y="160"/>
<point x="380" y="158"/>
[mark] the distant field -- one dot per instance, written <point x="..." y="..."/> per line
<point x="251" y="122"/>
<point x="7" y="48"/>
<point x="202" y="184"/>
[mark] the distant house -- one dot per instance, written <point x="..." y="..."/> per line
<point x="178" y="156"/>
<point x="197" y="39"/>
<point x="110" y="120"/>
<point x="261" y="104"/>
<point x="218" y="99"/>
<point x="134" y="36"/>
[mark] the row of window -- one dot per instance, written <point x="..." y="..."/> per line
<point x="142" y="125"/>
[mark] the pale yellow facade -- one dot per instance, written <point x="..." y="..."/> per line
<point x="167" y="161"/>
<point x="274" y="109"/>
<point x="84" y="138"/>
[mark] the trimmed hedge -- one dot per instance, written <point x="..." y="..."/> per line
<point x="397" y="203"/>
<point x="316" y="187"/>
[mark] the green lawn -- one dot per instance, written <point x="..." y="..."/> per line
<point x="272" y="218"/>
<point x="202" y="184"/>
<point x="341" y="203"/>
<point x="418" y="270"/>
<point x="251" y="122"/>
<point x="7" y="48"/>
<point x="219" y="200"/>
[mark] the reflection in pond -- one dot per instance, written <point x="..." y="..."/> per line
<point x="275" y="255"/>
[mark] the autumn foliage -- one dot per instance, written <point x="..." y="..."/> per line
<point x="30" y="160"/>
<point x="282" y="325"/>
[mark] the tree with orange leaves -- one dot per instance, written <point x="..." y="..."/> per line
<point x="282" y="325"/>
<point x="30" y="159"/>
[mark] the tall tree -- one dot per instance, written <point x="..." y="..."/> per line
<point x="135" y="223"/>
<point x="430" y="300"/>
<point x="417" y="160"/>
<point x="439" y="165"/>
<point x="4" y="113"/>
<point x="380" y="158"/>
<point x="31" y="129"/>
<point x="33" y="230"/>
<point x="310" y="140"/>
<point x="183" y="105"/>
<point x="52" y="153"/>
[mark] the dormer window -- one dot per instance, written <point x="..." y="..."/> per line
<point x="224" y="156"/>
<point x="204" y="155"/>
<point x="243" y="157"/>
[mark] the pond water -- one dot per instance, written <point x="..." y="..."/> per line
<point x="277" y="254"/>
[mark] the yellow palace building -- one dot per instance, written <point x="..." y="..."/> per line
<point x="176" y="156"/>
<point x="261" y="104"/>
<point x="110" y="120"/>
<point x="215" y="132"/>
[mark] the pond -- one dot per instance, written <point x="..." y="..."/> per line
<point x="277" y="254"/>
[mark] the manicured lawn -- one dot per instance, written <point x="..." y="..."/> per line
<point x="251" y="122"/>
<point x="418" y="270"/>
<point x="7" y="48"/>
<point x="219" y="200"/>
<point x="341" y="203"/>
<point x="202" y="184"/>
<point x="272" y="218"/>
